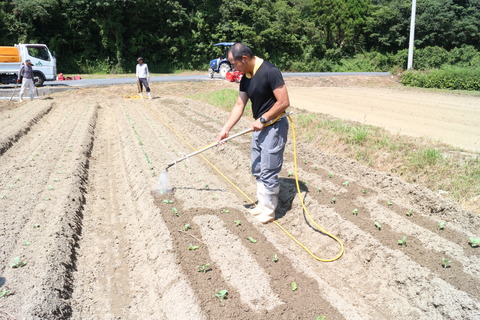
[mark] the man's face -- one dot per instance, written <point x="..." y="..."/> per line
<point x="140" y="61"/>
<point x="240" y="65"/>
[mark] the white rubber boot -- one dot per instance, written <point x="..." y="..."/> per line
<point x="269" y="206"/>
<point x="149" y="95"/>
<point x="261" y="199"/>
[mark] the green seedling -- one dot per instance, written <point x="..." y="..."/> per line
<point x="446" y="263"/>
<point x="5" y="293"/>
<point x="333" y="200"/>
<point x="252" y="240"/>
<point x="226" y="211"/>
<point x="27" y="243"/>
<point x="293" y="286"/>
<point x="204" y="268"/>
<point x="175" y="211"/>
<point x="320" y="317"/>
<point x="403" y="241"/>
<point x="215" y="197"/>
<point x="290" y="173"/>
<point x="345" y="183"/>
<point x="304" y="183"/>
<point x="56" y="180"/>
<point x="222" y="294"/>
<point x="474" y="242"/>
<point x="409" y="213"/>
<point x="304" y="161"/>
<point x="50" y="187"/>
<point x="36" y="225"/>
<point x="389" y="203"/>
<point x="364" y="191"/>
<point x="275" y="258"/>
<point x="378" y="225"/>
<point x="193" y="248"/>
<point x="319" y="189"/>
<point x="315" y="167"/>
<point x="207" y="186"/>
<point x="168" y="201"/>
<point x="237" y="222"/>
<point x="186" y="227"/>
<point x="17" y="263"/>
<point x="441" y="225"/>
<point x="330" y="174"/>
<point x="47" y="199"/>
<point x="355" y="212"/>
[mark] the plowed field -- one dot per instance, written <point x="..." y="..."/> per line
<point x="79" y="204"/>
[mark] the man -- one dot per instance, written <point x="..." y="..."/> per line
<point x="263" y="84"/>
<point x="143" y="77"/>
<point x="26" y="77"/>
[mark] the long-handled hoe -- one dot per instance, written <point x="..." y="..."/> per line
<point x="13" y="92"/>
<point x="163" y="186"/>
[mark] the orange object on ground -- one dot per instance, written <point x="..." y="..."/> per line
<point x="234" y="76"/>
<point x="9" y="54"/>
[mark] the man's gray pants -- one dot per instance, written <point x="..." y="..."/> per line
<point x="267" y="150"/>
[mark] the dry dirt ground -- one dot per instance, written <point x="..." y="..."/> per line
<point x="78" y="203"/>
<point x="451" y="118"/>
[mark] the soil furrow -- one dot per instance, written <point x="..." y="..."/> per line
<point x="45" y="282"/>
<point x="158" y="289"/>
<point x="21" y="126"/>
<point x="100" y="242"/>
<point x="27" y="176"/>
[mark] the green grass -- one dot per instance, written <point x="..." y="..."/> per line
<point x="223" y="98"/>
<point x="447" y="77"/>
<point x="417" y="160"/>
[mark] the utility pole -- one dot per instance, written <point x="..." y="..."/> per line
<point x="412" y="35"/>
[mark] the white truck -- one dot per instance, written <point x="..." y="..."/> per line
<point x="13" y="57"/>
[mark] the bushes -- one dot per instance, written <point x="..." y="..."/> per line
<point x="424" y="59"/>
<point x="445" y="78"/>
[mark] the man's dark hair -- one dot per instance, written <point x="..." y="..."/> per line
<point x="238" y="50"/>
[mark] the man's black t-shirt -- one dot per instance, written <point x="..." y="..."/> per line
<point x="260" y="88"/>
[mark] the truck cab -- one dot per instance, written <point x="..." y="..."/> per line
<point x="44" y="63"/>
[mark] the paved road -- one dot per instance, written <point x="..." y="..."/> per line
<point x="113" y="81"/>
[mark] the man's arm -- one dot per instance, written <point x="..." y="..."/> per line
<point x="283" y="102"/>
<point x="234" y="116"/>
<point x="20" y="73"/>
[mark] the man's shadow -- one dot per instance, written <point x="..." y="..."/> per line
<point x="288" y="192"/>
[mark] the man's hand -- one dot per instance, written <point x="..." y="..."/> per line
<point x="257" y="125"/>
<point x="18" y="80"/>
<point x="223" y="134"/>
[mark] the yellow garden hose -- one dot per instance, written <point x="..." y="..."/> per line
<point x="342" y="248"/>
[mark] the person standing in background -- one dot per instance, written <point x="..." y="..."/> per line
<point x="26" y="77"/>
<point x="143" y="77"/>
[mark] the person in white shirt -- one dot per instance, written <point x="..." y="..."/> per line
<point x="143" y="77"/>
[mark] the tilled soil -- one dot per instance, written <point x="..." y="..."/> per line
<point x="79" y="203"/>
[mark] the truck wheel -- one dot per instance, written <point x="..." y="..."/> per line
<point x="210" y="72"/>
<point x="224" y="68"/>
<point x="38" y="79"/>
